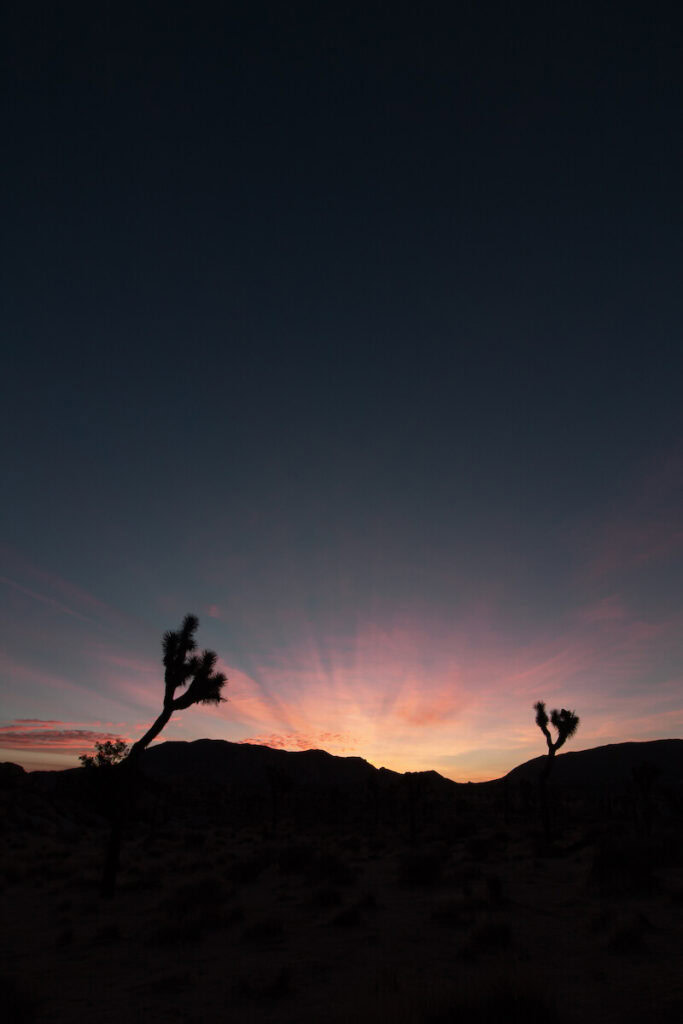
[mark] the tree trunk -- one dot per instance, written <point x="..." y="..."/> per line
<point x="543" y="793"/>
<point x="121" y="797"/>
<point x="151" y="733"/>
<point x="112" y="854"/>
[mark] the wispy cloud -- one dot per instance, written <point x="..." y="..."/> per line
<point x="52" y="590"/>
<point x="45" y="599"/>
<point x="333" y="742"/>
<point x="42" y="736"/>
<point x="646" y="528"/>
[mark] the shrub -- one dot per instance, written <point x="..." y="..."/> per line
<point x="268" y="986"/>
<point x="348" y="917"/>
<point x="629" y="936"/>
<point x="418" y="868"/>
<point x="267" y="931"/>
<point x="503" y="1002"/>
<point x="494" y="891"/>
<point x="295" y="859"/>
<point x="623" y="867"/>
<point x="453" y="914"/>
<point x="330" y="868"/>
<point x="17" y="1006"/>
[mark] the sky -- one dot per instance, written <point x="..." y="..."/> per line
<point x="354" y="330"/>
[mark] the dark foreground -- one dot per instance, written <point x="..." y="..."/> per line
<point x="480" y="921"/>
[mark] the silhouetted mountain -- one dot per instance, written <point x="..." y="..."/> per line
<point x="245" y="764"/>
<point x="214" y="761"/>
<point x="607" y="765"/>
<point x="10" y="772"/>
<point x="251" y="766"/>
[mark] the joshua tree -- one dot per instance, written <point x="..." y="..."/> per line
<point x="182" y="668"/>
<point x="566" y="723"/>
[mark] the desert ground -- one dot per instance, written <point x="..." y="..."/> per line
<point x="480" y="922"/>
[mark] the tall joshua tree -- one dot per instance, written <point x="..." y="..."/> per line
<point x="181" y="667"/>
<point x="195" y="674"/>
<point x="565" y="723"/>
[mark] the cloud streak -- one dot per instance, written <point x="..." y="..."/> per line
<point x="333" y="742"/>
<point x="43" y="737"/>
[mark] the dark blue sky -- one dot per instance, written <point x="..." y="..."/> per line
<point x="366" y="318"/>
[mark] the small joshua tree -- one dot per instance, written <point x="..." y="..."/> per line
<point x="565" y="723"/>
<point x="183" y="670"/>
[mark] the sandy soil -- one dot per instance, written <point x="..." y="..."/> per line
<point x="222" y="925"/>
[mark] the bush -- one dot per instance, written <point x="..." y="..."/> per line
<point x="295" y="859"/>
<point x="17" y="1006"/>
<point x="418" y="868"/>
<point x="623" y="867"/>
<point x="629" y="936"/>
<point x="453" y="914"/>
<point x="505" y="1002"/>
<point x="491" y="936"/>
<point x="274" y="985"/>
<point x="267" y="931"/>
<point x="328" y="867"/>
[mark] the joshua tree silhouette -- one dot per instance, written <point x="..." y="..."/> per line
<point x="566" y="723"/>
<point x="182" y="668"/>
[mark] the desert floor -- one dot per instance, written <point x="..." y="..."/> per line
<point x="233" y="925"/>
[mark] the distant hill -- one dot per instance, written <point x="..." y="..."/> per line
<point x="610" y="764"/>
<point x="218" y="761"/>
<point x="211" y="781"/>
<point x="251" y="764"/>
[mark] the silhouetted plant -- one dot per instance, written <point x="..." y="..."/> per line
<point x="20" y="1007"/>
<point x="504" y="1000"/>
<point x="565" y="723"/>
<point x="182" y="667"/>
<point x="183" y="670"/>
<point x="421" y="867"/>
<point x="106" y="754"/>
<point x="644" y="776"/>
<point x="280" y="784"/>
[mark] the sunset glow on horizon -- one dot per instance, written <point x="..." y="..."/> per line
<point x="358" y="337"/>
<point x="415" y="689"/>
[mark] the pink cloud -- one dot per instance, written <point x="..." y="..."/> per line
<point x="420" y="707"/>
<point x="400" y="691"/>
<point x="608" y="609"/>
<point x="39" y="721"/>
<point x="131" y="678"/>
<point x="646" y="528"/>
<point x="635" y="545"/>
<point x="60" y="594"/>
<point x="29" y="676"/>
<point x="16" y="736"/>
<point x="44" y="599"/>
<point x="330" y="741"/>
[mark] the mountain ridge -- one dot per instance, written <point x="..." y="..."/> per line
<point x="215" y="761"/>
<point x="609" y="763"/>
<point x="209" y="759"/>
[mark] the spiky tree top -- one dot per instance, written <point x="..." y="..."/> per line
<point x="182" y="666"/>
<point x="565" y="722"/>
